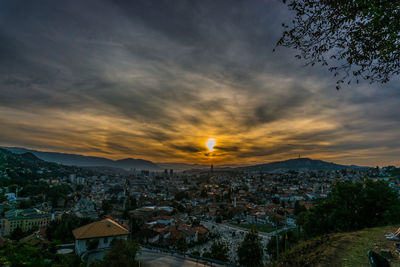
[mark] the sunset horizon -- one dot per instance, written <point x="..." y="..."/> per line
<point x="209" y="160"/>
<point x="187" y="133"/>
<point x="142" y="88"/>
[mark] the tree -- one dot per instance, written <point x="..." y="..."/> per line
<point x="195" y="253"/>
<point x="219" y="251"/>
<point x="24" y="204"/>
<point x="122" y="253"/>
<point x="136" y="223"/>
<point x="17" y="234"/>
<point x="182" y="245"/>
<point x="60" y="231"/>
<point x="298" y="208"/>
<point x="353" y="206"/>
<point x="352" y="37"/>
<point x="21" y="255"/>
<point x="203" y="193"/>
<point x="250" y="252"/>
<point x="106" y="206"/>
<point x="181" y="195"/>
<point x="57" y="192"/>
<point x="12" y="188"/>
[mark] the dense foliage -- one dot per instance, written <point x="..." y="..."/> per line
<point x="218" y="251"/>
<point x="353" y="37"/>
<point x="61" y="231"/>
<point x="21" y="256"/>
<point x="250" y="252"/>
<point x="18" y="254"/>
<point x="122" y="253"/>
<point x="352" y="206"/>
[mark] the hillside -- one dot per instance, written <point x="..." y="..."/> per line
<point x="342" y="249"/>
<point x="87" y="161"/>
<point x="305" y="164"/>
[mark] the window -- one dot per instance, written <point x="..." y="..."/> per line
<point x="105" y="240"/>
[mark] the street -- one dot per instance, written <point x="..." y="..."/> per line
<point x="149" y="258"/>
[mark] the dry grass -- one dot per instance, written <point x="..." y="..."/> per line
<point x="343" y="249"/>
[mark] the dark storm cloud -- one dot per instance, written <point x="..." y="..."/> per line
<point x="156" y="78"/>
<point x="185" y="148"/>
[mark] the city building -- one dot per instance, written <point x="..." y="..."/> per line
<point x="24" y="219"/>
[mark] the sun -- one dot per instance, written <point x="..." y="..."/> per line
<point x="210" y="144"/>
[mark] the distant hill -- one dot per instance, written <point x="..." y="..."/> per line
<point x="86" y="161"/>
<point x="304" y="164"/>
<point x="181" y="166"/>
<point x="25" y="162"/>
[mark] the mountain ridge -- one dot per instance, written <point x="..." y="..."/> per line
<point x="141" y="164"/>
<point x="298" y="164"/>
<point x="86" y="161"/>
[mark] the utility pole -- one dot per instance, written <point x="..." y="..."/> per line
<point x="286" y="237"/>
<point x="277" y="242"/>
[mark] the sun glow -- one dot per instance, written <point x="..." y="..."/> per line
<point x="210" y="144"/>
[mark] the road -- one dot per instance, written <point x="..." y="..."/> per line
<point x="232" y="227"/>
<point x="149" y="258"/>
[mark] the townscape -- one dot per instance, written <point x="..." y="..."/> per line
<point x="184" y="211"/>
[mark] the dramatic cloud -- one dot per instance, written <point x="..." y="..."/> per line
<point x="156" y="79"/>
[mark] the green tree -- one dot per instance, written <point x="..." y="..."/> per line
<point x="17" y="234"/>
<point x="60" y="231"/>
<point x="352" y="37"/>
<point x="106" y="206"/>
<point x="57" y="192"/>
<point x="182" y="245"/>
<point x="16" y="255"/>
<point x="2" y="198"/>
<point x="203" y="193"/>
<point x="298" y="208"/>
<point x="250" y="252"/>
<point x="353" y="206"/>
<point x="122" y="253"/>
<point x="195" y="253"/>
<point x="219" y="251"/>
<point x="12" y="188"/>
<point x="25" y="204"/>
<point x="181" y="195"/>
<point x="136" y="223"/>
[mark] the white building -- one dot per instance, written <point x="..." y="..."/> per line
<point x="97" y="236"/>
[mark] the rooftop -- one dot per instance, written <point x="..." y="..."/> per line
<point x="102" y="228"/>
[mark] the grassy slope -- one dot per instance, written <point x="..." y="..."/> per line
<point x="343" y="249"/>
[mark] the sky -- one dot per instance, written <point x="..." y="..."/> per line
<point x="156" y="79"/>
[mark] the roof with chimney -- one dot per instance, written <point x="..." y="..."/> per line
<point x="98" y="229"/>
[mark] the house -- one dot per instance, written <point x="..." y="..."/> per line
<point x="98" y="235"/>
